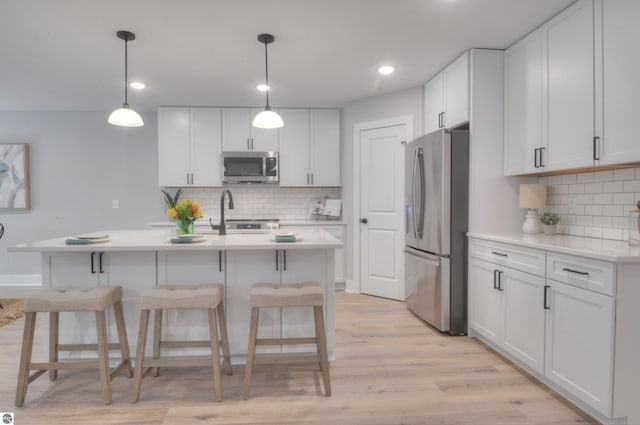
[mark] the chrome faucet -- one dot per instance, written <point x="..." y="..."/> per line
<point x="223" y="226"/>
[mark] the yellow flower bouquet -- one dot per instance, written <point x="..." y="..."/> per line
<point x="185" y="213"/>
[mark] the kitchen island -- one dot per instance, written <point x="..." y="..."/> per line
<point x="143" y="258"/>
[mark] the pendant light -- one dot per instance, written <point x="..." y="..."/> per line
<point x="125" y="116"/>
<point x="267" y="118"/>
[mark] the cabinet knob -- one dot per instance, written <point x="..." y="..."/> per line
<point x="364" y="221"/>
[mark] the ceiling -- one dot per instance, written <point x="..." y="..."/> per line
<point x="64" y="54"/>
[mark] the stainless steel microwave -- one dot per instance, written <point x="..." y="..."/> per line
<point x="250" y="167"/>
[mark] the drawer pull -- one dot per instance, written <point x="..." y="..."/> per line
<point x="545" y="302"/>
<point x="499" y="253"/>
<point x="566" y="269"/>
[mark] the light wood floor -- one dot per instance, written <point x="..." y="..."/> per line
<point x="390" y="368"/>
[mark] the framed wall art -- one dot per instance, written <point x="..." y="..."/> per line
<point x="14" y="176"/>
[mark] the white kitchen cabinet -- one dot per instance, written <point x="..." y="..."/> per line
<point x="524" y="144"/>
<point x="189" y="146"/>
<point x="621" y="86"/>
<point x="504" y="310"/>
<point x="310" y="148"/>
<point x="570" y="88"/>
<point x="446" y="96"/>
<point x="134" y="271"/>
<point x="239" y="135"/>
<point x="579" y="349"/>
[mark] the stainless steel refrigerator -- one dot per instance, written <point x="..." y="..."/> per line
<point x="437" y="216"/>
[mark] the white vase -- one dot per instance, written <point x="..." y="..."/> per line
<point x="549" y="229"/>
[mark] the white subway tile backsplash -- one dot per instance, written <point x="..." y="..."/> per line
<point x="612" y="210"/>
<point x="586" y="199"/>
<point x="559" y="189"/>
<point x="584" y="220"/>
<point x="554" y="180"/>
<point x="613" y="187"/>
<point x="603" y="221"/>
<point x="612" y="234"/>
<point x="603" y="176"/>
<point x="576" y="230"/>
<point x="589" y="209"/>
<point x="593" y="188"/>
<point x="632" y="186"/>
<point x="585" y="177"/>
<point x="623" y="198"/>
<point x="569" y="179"/>
<point x="576" y="188"/>
<point x="624" y="174"/>
<point x="620" y="222"/>
<point x="603" y="199"/>
<point x="593" y="232"/>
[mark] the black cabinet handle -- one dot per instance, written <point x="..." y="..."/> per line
<point x="100" y="262"/>
<point x="500" y="273"/>
<point x="219" y="261"/>
<point x="93" y="270"/>
<point x="535" y="158"/>
<point x="566" y="269"/>
<point x="596" y="142"/>
<point x="540" y="162"/>
<point x="277" y="261"/>
<point x="284" y="260"/>
<point x="495" y="279"/>
<point x="499" y="253"/>
<point x="546" y="306"/>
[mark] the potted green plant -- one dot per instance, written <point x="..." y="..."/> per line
<point x="549" y="221"/>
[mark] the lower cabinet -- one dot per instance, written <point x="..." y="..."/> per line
<point x="562" y="331"/>
<point x="579" y="350"/>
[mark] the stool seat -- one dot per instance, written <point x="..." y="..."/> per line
<point x="182" y="297"/>
<point x="306" y="294"/>
<point x="72" y="299"/>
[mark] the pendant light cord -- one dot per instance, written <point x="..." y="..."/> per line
<point x="266" y="71"/>
<point x="126" y="82"/>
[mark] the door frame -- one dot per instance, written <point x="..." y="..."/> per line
<point x="406" y="120"/>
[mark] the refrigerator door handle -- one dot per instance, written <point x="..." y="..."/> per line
<point x="422" y="192"/>
<point x="423" y="259"/>
<point x="413" y="194"/>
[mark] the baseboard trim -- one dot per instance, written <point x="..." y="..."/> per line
<point x="18" y="285"/>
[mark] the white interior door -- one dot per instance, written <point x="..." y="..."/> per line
<point x="381" y="198"/>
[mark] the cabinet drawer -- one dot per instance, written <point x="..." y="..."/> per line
<point x="528" y="260"/>
<point x="598" y="276"/>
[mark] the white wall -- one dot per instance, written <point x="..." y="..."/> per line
<point x="402" y="103"/>
<point x="78" y="165"/>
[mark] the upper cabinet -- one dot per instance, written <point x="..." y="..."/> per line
<point x="580" y="67"/>
<point x="523" y="75"/>
<point x="310" y="147"/>
<point x="189" y="146"/>
<point x="621" y="85"/>
<point x="570" y="88"/>
<point x="446" y="96"/>
<point x="238" y="135"/>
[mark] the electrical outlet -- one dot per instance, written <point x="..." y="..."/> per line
<point x="115" y="203"/>
<point x="572" y="205"/>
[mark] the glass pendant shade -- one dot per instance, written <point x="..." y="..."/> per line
<point x="268" y="119"/>
<point x="125" y="117"/>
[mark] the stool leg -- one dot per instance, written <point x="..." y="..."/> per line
<point x="142" y="342"/>
<point x="103" y="355"/>
<point x="157" y="336"/>
<point x="322" y="348"/>
<point x="251" y="351"/>
<point x="122" y="338"/>
<point x="215" y="353"/>
<point x="222" y="322"/>
<point x="53" y="343"/>
<point x="25" y="358"/>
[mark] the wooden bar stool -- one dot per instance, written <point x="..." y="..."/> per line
<point x="71" y="299"/>
<point x="177" y="297"/>
<point x="265" y="295"/>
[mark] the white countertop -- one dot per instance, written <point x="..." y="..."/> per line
<point x="599" y="249"/>
<point x="159" y="240"/>
<point x="205" y="222"/>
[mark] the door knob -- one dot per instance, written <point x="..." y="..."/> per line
<point x="363" y="220"/>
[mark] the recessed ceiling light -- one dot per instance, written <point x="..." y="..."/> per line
<point x="263" y="87"/>
<point x="386" y="70"/>
<point x="137" y="85"/>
